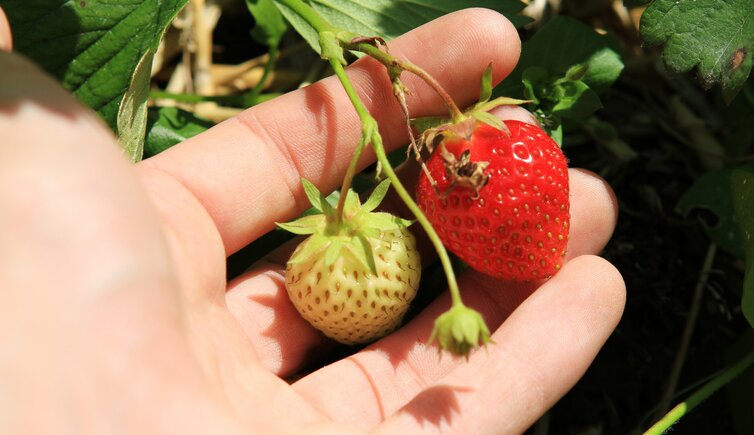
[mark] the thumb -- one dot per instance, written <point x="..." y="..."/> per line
<point x="6" y="39"/>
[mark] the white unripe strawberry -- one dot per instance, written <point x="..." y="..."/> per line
<point x="354" y="277"/>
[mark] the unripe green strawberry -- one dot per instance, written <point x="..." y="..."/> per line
<point x="354" y="277"/>
<point x="345" y="299"/>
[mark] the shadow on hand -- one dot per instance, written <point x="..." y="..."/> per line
<point x="436" y="405"/>
<point x="307" y="355"/>
<point x="496" y="300"/>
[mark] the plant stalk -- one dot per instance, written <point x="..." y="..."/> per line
<point x="379" y="149"/>
<point x="688" y="331"/>
<point x="371" y="134"/>
<point x="698" y="397"/>
<point x="268" y="67"/>
<point x="395" y="66"/>
<point x="365" y="118"/>
<point x="309" y="15"/>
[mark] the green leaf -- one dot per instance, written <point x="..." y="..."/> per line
<point x="364" y="252"/>
<point x="489" y="119"/>
<point x="312" y="245"/>
<point x="602" y="69"/>
<point x="132" y="115"/>
<point x="606" y="135"/>
<point x="386" y="221"/>
<point x="560" y="45"/>
<point x="167" y="126"/>
<point x="485" y="106"/>
<point x="486" y="92"/>
<point x="714" y="192"/>
<point x="378" y="194"/>
<point x="576" y="72"/>
<point x="391" y="18"/>
<point x="306" y="225"/>
<point x="742" y="190"/>
<point x="574" y="99"/>
<point x="269" y="25"/>
<point x="716" y="37"/>
<point x="317" y="200"/>
<point x="333" y="252"/>
<point x="92" y="46"/>
<point x="555" y="131"/>
<point x="533" y="79"/>
<point x="352" y="204"/>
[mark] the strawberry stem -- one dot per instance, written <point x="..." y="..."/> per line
<point x="309" y="15"/>
<point x="332" y="41"/>
<point x="395" y="66"/>
<point x="379" y="149"/>
<point x="370" y="133"/>
<point x="368" y="127"/>
<point x="355" y="42"/>
<point x="700" y="395"/>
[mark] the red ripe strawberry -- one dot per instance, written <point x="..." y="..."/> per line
<point x="501" y="198"/>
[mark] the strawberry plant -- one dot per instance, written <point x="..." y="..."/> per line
<point x="654" y="96"/>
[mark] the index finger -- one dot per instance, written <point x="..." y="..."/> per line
<point x="246" y="171"/>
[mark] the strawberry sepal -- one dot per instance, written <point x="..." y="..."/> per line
<point x="459" y="330"/>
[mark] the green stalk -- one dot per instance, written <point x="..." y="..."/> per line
<point x="395" y="66"/>
<point x="698" y="397"/>
<point x="370" y="133"/>
<point x="309" y="15"/>
<point x="379" y="149"/>
<point x="366" y="120"/>
<point x="271" y="58"/>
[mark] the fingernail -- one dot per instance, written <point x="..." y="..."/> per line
<point x="516" y="113"/>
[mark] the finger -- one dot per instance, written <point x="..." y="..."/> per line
<point x="594" y="213"/>
<point x="6" y="38"/>
<point x="246" y="171"/>
<point x="515" y="113"/>
<point x="283" y="340"/>
<point x="541" y="349"/>
<point x="91" y="287"/>
<point x="87" y="292"/>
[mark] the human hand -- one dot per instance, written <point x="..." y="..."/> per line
<point x="118" y="315"/>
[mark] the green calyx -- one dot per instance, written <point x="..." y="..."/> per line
<point x="459" y="330"/>
<point x="478" y="112"/>
<point x="355" y="232"/>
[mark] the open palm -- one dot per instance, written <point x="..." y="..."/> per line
<point x="120" y="317"/>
